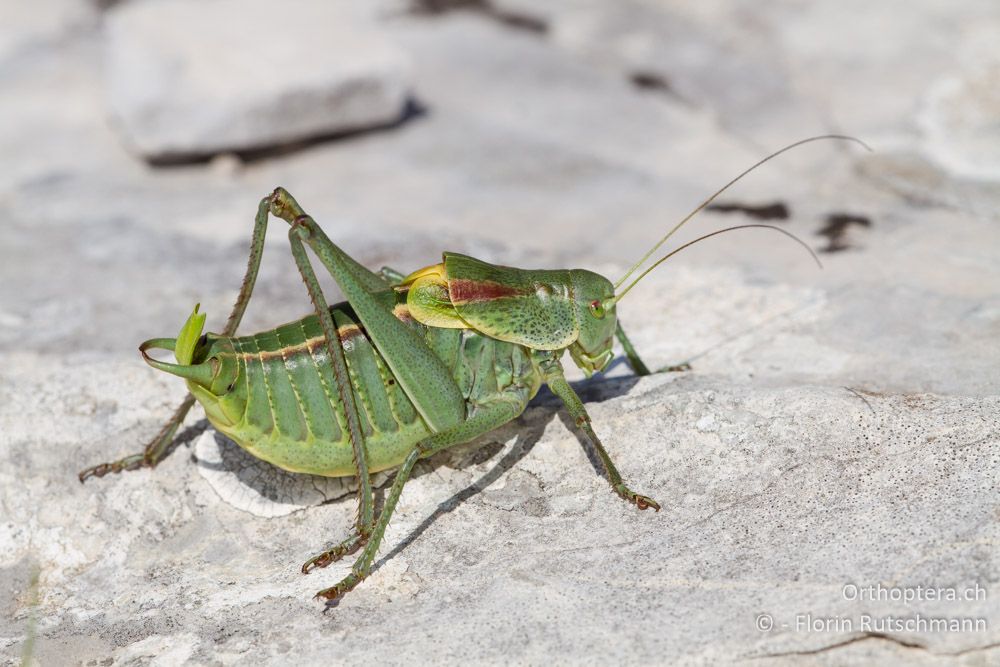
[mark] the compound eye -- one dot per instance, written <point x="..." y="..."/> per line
<point x="597" y="309"/>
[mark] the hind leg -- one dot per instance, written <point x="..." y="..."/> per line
<point x="338" y="363"/>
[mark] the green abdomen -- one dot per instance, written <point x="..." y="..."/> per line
<point x="285" y="407"/>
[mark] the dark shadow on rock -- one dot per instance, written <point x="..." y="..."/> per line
<point x="835" y="230"/>
<point x="588" y="448"/>
<point x="516" y="20"/>
<point x="596" y="390"/>
<point x="234" y="457"/>
<point x="527" y="438"/>
<point x="649" y="81"/>
<point x="187" y="436"/>
<point x="774" y="211"/>
<point x="277" y="485"/>
<point x="412" y="110"/>
<point x="593" y="390"/>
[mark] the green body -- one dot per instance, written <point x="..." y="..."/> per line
<point x="404" y="368"/>
<point x="277" y="395"/>
<point x="284" y="408"/>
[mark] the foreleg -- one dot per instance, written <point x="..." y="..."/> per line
<point x="638" y="367"/>
<point x="556" y="381"/>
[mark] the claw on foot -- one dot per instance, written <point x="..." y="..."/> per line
<point x="640" y="501"/>
<point x="128" y="463"/>
<point x="334" y="593"/>
<point x="677" y="368"/>
<point x="348" y="546"/>
<point x="645" y="502"/>
<point x="321" y="560"/>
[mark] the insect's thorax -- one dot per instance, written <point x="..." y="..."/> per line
<point x="541" y="309"/>
<point x="286" y="407"/>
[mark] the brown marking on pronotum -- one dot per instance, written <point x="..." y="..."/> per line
<point x="465" y="291"/>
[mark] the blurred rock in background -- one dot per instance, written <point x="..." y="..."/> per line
<point x="189" y="79"/>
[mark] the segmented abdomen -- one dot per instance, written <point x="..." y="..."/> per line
<point x="294" y="416"/>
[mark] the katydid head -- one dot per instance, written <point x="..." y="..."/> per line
<point x="200" y="359"/>
<point x="594" y="300"/>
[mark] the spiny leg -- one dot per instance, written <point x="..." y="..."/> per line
<point x="333" y="554"/>
<point x="556" y="381"/>
<point x="413" y="364"/>
<point x="358" y="283"/>
<point x="284" y="206"/>
<point x="154" y="452"/>
<point x="253" y="268"/>
<point x="488" y="417"/>
<point x="415" y="367"/>
<point x="366" y="501"/>
<point x="363" y="565"/>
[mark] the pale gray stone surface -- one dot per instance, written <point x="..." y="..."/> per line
<point x="193" y="78"/>
<point x="839" y="427"/>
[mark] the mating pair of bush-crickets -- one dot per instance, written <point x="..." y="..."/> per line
<point x="406" y="367"/>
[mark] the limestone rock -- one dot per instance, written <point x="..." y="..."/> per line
<point x="193" y="78"/>
<point x="257" y="487"/>
<point x="837" y="436"/>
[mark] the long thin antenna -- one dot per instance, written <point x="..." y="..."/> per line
<point x="710" y="235"/>
<point x="726" y="187"/>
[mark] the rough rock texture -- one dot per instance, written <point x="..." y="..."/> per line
<point x="194" y="78"/>
<point x="838" y="433"/>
